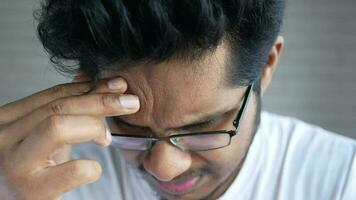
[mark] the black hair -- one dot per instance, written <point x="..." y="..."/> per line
<point x="96" y="33"/>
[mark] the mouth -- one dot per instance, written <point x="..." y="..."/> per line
<point x="179" y="187"/>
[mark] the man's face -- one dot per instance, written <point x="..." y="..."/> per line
<point x="175" y="95"/>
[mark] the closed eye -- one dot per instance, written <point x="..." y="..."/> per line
<point x="199" y="126"/>
<point x="209" y="122"/>
<point x="190" y="127"/>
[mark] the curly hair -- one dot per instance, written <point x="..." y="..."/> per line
<point x="95" y="33"/>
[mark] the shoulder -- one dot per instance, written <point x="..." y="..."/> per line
<point x="295" y="134"/>
<point x="311" y="159"/>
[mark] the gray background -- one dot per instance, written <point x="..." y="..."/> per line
<point x="315" y="80"/>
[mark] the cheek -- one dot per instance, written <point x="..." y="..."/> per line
<point x="231" y="156"/>
<point x="227" y="159"/>
<point x="224" y="161"/>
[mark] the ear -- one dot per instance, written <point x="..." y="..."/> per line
<point x="272" y="62"/>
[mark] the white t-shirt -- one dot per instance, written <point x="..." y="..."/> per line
<point x="287" y="160"/>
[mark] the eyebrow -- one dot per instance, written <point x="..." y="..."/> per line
<point x="193" y="125"/>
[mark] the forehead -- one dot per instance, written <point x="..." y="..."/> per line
<point x="177" y="91"/>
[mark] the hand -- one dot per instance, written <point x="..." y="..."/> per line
<point x="36" y="134"/>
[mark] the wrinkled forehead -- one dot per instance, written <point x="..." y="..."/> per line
<point x="209" y="70"/>
<point x="178" y="88"/>
<point x="207" y="66"/>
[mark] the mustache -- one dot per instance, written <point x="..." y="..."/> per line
<point x="186" y="175"/>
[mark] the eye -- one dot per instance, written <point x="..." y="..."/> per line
<point x="176" y="139"/>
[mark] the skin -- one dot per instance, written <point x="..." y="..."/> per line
<point x="175" y="94"/>
<point x="36" y="133"/>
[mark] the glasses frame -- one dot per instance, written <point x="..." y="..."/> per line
<point x="236" y="124"/>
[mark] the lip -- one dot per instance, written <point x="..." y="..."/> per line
<point x="179" y="188"/>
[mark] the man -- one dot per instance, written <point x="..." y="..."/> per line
<point x="179" y="84"/>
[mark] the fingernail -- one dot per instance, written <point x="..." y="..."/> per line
<point x="108" y="136"/>
<point x="129" y="101"/>
<point x="116" y="83"/>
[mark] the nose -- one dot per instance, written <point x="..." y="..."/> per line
<point x="165" y="162"/>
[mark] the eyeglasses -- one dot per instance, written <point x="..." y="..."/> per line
<point x="199" y="141"/>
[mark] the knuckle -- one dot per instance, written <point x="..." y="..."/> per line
<point x="106" y="101"/>
<point x="54" y="125"/>
<point x="58" y="91"/>
<point x="58" y="107"/>
<point x="98" y="126"/>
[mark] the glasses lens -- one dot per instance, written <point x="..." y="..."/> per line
<point x="202" y="142"/>
<point x="131" y="143"/>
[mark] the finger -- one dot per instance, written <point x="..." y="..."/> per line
<point x="62" y="178"/>
<point x="63" y="154"/>
<point x="56" y="132"/>
<point x="18" y="109"/>
<point x="99" y="105"/>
